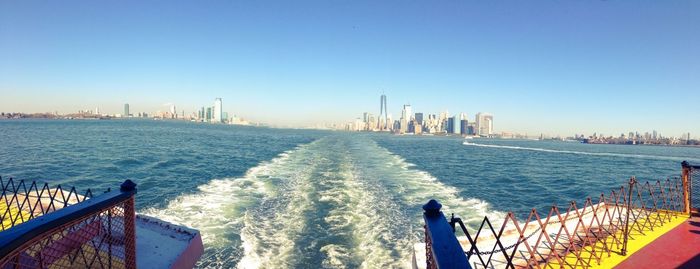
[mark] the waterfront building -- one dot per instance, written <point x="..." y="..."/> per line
<point x="442" y="121"/>
<point x="406" y="113"/>
<point x="126" y="110"/>
<point x="359" y="125"/>
<point x="371" y="122"/>
<point x="419" y="118"/>
<point x="382" y="120"/>
<point x="218" y="111"/>
<point x="405" y="118"/>
<point x="389" y="123"/>
<point x="208" y="116"/>
<point x="484" y="124"/>
<point x="433" y="125"/>
<point x="449" y="126"/>
<point x="443" y="116"/>
<point x="464" y="127"/>
<point x="456" y="125"/>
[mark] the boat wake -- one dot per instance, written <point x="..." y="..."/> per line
<point x="338" y="202"/>
<point x="607" y="154"/>
<point x="219" y="208"/>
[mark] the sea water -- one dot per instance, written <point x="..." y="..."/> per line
<point x="284" y="198"/>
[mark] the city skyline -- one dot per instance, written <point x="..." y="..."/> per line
<point x="410" y="122"/>
<point x="605" y="67"/>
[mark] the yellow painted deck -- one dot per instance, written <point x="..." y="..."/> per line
<point x="11" y="215"/>
<point x="636" y="242"/>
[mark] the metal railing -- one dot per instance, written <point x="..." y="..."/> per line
<point x="52" y="228"/>
<point x="691" y="172"/>
<point x="21" y="201"/>
<point x="571" y="237"/>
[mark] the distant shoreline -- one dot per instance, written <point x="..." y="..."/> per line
<point x="442" y="135"/>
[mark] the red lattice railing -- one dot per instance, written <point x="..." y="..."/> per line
<point x="572" y="237"/>
<point x="20" y="202"/>
<point x="68" y="231"/>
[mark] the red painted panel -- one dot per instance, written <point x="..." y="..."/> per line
<point x="679" y="248"/>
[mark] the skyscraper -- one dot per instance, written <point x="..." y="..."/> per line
<point x="464" y="126"/>
<point x="389" y="123"/>
<point x="126" y="110"/>
<point x="484" y="124"/>
<point x="456" y="124"/>
<point x="382" y="118"/>
<point x="419" y="118"/>
<point x="218" y="111"/>
<point x="406" y="113"/>
<point x="450" y="126"/>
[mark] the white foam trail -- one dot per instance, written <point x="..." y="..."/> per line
<point x="423" y="186"/>
<point x="271" y="230"/>
<point x="384" y="194"/>
<point x="334" y="203"/>
<point x="608" y="154"/>
<point x="219" y="208"/>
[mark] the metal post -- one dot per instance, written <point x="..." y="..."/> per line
<point x="627" y="216"/>
<point x="431" y="209"/>
<point x="442" y="247"/>
<point x="129" y="225"/>
<point x="687" y="194"/>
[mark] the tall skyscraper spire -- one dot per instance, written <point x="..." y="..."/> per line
<point x="381" y="120"/>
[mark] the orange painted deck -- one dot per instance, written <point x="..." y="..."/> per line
<point x="678" y="248"/>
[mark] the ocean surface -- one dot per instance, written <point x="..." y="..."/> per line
<point x="283" y="198"/>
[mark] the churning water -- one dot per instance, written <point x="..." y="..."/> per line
<point x="271" y="198"/>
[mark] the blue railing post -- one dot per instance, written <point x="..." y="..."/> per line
<point x="442" y="249"/>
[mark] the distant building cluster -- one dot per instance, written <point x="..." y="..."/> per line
<point x="210" y="114"/>
<point x="420" y="123"/>
<point x="409" y="122"/>
<point x="636" y="138"/>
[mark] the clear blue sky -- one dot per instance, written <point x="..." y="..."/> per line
<point x="539" y="66"/>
